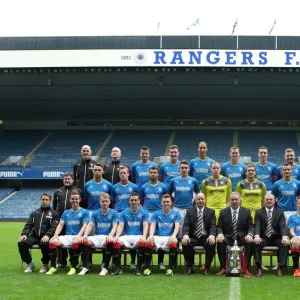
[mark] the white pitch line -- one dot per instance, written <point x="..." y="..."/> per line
<point x="235" y="288"/>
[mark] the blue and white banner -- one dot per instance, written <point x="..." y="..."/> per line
<point x="31" y="174"/>
<point x="149" y="58"/>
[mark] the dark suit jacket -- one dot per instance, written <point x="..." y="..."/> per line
<point x="244" y="224"/>
<point x="278" y="223"/>
<point x="191" y="218"/>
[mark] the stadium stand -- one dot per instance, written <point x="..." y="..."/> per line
<point x="62" y="149"/>
<point x="21" y="204"/>
<point x="218" y="141"/>
<point x="130" y="142"/>
<point x="19" y="142"/>
<point x="275" y="141"/>
<point x="4" y="192"/>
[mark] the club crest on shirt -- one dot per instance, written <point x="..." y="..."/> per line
<point x="105" y="186"/>
<point x="159" y="189"/>
<point x="109" y="217"/>
<point x="269" y="168"/>
<point x="190" y="181"/>
<point x="294" y="185"/>
<point x="79" y="215"/>
<point x="172" y="216"/>
<point x="130" y="189"/>
<point x="208" y="164"/>
<point x="139" y="216"/>
<point x="241" y="169"/>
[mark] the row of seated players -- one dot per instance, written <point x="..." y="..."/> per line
<point x="131" y="229"/>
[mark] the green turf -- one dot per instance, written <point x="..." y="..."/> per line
<point x="18" y="285"/>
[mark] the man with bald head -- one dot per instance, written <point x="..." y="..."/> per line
<point x="111" y="169"/>
<point x="199" y="229"/>
<point x="83" y="169"/>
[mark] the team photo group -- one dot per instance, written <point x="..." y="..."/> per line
<point x="172" y="208"/>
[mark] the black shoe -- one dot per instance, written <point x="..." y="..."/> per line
<point x="138" y="272"/>
<point x="118" y="271"/>
<point x="188" y="270"/>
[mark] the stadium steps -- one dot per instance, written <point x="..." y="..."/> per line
<point x="106" y="141"/>
<point x="6" y="198"/>
<point x="170" y="142"/>
<point x="28" y="157"/>
<point x="235" y="141"/>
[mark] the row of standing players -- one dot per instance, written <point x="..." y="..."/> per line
<point x="216" y="188"/>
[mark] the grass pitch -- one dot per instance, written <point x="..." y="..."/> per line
<point x="15" y="284"/>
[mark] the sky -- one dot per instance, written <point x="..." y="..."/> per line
<point x="141" y="17"/>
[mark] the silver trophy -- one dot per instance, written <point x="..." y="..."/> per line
<point x="234" y="259"/>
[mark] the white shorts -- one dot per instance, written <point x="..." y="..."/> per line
<point x="98" y="240"/>
<point x="66" y="240"/>
<point x="130" y="240"/>
<point x="162" y="242"/>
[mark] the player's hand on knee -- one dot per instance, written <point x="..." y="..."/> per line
<point x="220" y="238"/>
<point x="45" y="239"/>
<point x="211" y="240"/>
<point x="23" y="238"/>
<point x="185" y="240"/>
<point x="109" y="239"/>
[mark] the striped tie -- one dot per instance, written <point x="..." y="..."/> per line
<point x="269" y="227"/>
<point x="199" y="225"/>
<point x="234" y="224"/>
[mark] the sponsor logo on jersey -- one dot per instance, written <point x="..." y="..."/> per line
<point x="168" y="225"/>
<point x="103" y="225"/>
<point x="288" y="193"/>
<point x="143" y="173"/>
<point x="234" y="175"/>
<point x="201" y="170"/>
<point x="73" y="222"/>
<point x="134" y="223"/>
<point x="182" y="189"/>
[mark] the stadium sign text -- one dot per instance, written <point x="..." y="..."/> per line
<point x="149" y="58"/>
<point x="31" y="174"/>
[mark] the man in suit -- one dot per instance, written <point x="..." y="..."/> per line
<point x="199" y="229"/>
<point x="270" y="230"/>
<point x="235" y="223"/>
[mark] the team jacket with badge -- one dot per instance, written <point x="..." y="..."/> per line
<point x="42" y="221"/>
<point x="83" y="172"/>
<point x="111" y="172"/>
<point x="216" y="191"/>
<point x="252" y="194"/>
<point x="61" y="199"/>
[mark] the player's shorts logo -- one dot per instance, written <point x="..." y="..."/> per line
<point x="140" y="57"/>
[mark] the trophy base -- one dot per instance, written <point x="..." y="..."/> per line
<point x="233" y="275"/>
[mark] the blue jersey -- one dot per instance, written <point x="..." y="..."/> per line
<point x="121" y="194"/>
<point x="183" y="189"/>
<point x="286" y="193"/>
<point x="140" y="172"/>
<point x="133" y="221"/>
<point x="294" y="222"/>
<point x="104" y="222"/>
<point x="235" y="173"/>
<point x="74" y="220"/>
<point x="93" y="190"/>
<point x="295" y="172"/>
<point x="266" y="173"/>
<point x="152" y="195"/>
<point x="165" y="223"/>
<point x="200" y="169"/>
<point x="169" y="171"/>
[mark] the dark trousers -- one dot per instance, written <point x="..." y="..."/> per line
<point x="273" y="241"/>
<point x="24" y="247"/>
<point x="221" y="248"/>
<point x="189" y="252"/>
